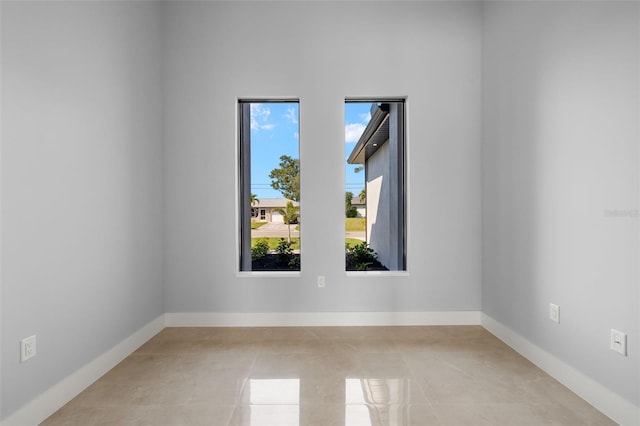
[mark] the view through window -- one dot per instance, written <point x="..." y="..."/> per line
<point x="375" y="230"/>
<point x="269" y="185"/>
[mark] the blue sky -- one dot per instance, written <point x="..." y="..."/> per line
<point x="356" y="118"/>
<point x="275" y="132"/>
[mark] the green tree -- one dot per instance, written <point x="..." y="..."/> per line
<point x="349" y="210"/>
<point x="363" y="195"/>
<point x="290" y="214"/>
<point x="286" y="178"/>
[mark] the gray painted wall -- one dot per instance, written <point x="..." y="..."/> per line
<point x="322" y="52"/>
<point x="560" y="158"/>
<point x="81" y="184"/>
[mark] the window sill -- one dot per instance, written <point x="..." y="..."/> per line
<point x="351" y="274"/>
<point x="268" y="274"/>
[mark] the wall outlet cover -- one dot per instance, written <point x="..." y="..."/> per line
<point x="554" y="313"/>
<point x="27" y="348"/>
<point x="618" y="342"/>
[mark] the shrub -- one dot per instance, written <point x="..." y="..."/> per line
<point x="285" y="252"/>
<point x="260" y="250"/>
<point x="294" y="262"/>
<point x="361" y="256"/>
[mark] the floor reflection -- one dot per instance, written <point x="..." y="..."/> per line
<point x="376" y="402"/>
<point x="377" y="391"/>
<point x="273" y="391"/>
<point x="366" y="402"/>
<point x="272" y="402"/>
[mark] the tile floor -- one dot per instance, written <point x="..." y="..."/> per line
<point x="382" y="376"/>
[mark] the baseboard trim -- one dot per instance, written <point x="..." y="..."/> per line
<point x="611" y="404"/>
<point x="47" y="403"/>
<point x="322" y="319"/>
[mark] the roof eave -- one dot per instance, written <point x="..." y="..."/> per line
<point x="378" y="118"/>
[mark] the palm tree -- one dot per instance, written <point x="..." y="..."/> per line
<point x="253" y="199"/>
<point x="363" y="195"/>
<point x="290" y="214"/>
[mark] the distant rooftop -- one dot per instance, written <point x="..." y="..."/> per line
<point x="355" y="201"/>
<point x="273" y="202"/>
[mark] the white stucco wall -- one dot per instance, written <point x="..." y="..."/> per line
<point x="378" y="204"/>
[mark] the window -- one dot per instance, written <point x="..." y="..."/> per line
<point x="375" y="222"/>
<point x="269" y="185"/>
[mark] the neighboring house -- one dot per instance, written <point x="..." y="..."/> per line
<point x="381" y="154"/>
<point x="360" y="206"/>
<point x="265" y="210"/>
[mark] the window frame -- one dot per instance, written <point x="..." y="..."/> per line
<point x="401" y="196"/>
<point x="243" y="128"/>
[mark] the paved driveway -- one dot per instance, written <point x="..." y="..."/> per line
<point x="278" y="230"/>
<point x="274" y="230"/>
<point x="358" y="235"/>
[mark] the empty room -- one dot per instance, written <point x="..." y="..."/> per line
<point x="354" y="213"/>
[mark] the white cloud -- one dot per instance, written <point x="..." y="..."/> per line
<point x="291" y="115"/>
<point x="296" y="135"/>
<point x="365" y="117"/>
<point x="260" y="117"/>
<point x="352" y="132"/>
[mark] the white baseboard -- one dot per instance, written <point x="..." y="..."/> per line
<point x="321" y="319"/>
<point x="611" y="404"/>
<point x="47" y="403"/>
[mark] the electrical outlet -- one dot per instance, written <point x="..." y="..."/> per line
<point x="27" y="348"/>
<point x="618" y="342"/>
<point x="321" y="282"/>
<point x="554" y="313"/>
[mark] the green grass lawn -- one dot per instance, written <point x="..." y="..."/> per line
<point x="355" y="224"/>
<point x="256" y="225"/>
<point x="273" y="242"/>
<point x="350" y="242"/>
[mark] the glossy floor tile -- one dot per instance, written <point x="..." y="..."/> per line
<point x="346" y="376"/>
